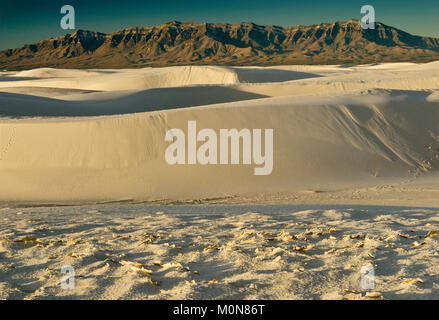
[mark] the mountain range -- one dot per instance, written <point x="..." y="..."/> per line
<point x="177" y="43"/>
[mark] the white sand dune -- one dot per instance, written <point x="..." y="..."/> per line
<point x="335" y="128"/>
<point x="138" y="79"/>
<point x="362" y="136"/>
<point x="126" y="101"/>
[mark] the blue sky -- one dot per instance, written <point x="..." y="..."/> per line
<point x="29" y="21"/>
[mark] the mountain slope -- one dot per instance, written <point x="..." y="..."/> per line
<point x="176" y="43"/>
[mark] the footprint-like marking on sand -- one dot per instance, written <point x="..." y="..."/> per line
<point x="7" y="139"/>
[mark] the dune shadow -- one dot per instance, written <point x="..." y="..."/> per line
<point x="8" y="78"/>
<point x="15" y="105"/>
<point x="257" y="75"/>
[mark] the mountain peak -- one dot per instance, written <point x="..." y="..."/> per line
<point x="173" y="22"/>
<point x="245" y="43"/>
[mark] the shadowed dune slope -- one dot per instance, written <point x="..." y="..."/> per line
<point x="332" y="142"/>
<point x="334" y="127"/>
<point x="19" y="105"/>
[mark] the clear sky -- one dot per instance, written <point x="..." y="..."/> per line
<point x="29" y="21"/>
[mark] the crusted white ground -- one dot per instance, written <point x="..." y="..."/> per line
<point x="219" y="252"/>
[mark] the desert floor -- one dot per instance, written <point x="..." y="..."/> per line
<point x="219" y="252"/>
<point x="84" y="182"/>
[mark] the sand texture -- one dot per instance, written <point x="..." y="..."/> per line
<point x="219" y="252"/>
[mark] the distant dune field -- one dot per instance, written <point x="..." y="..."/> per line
<point x="98" y="135"/>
